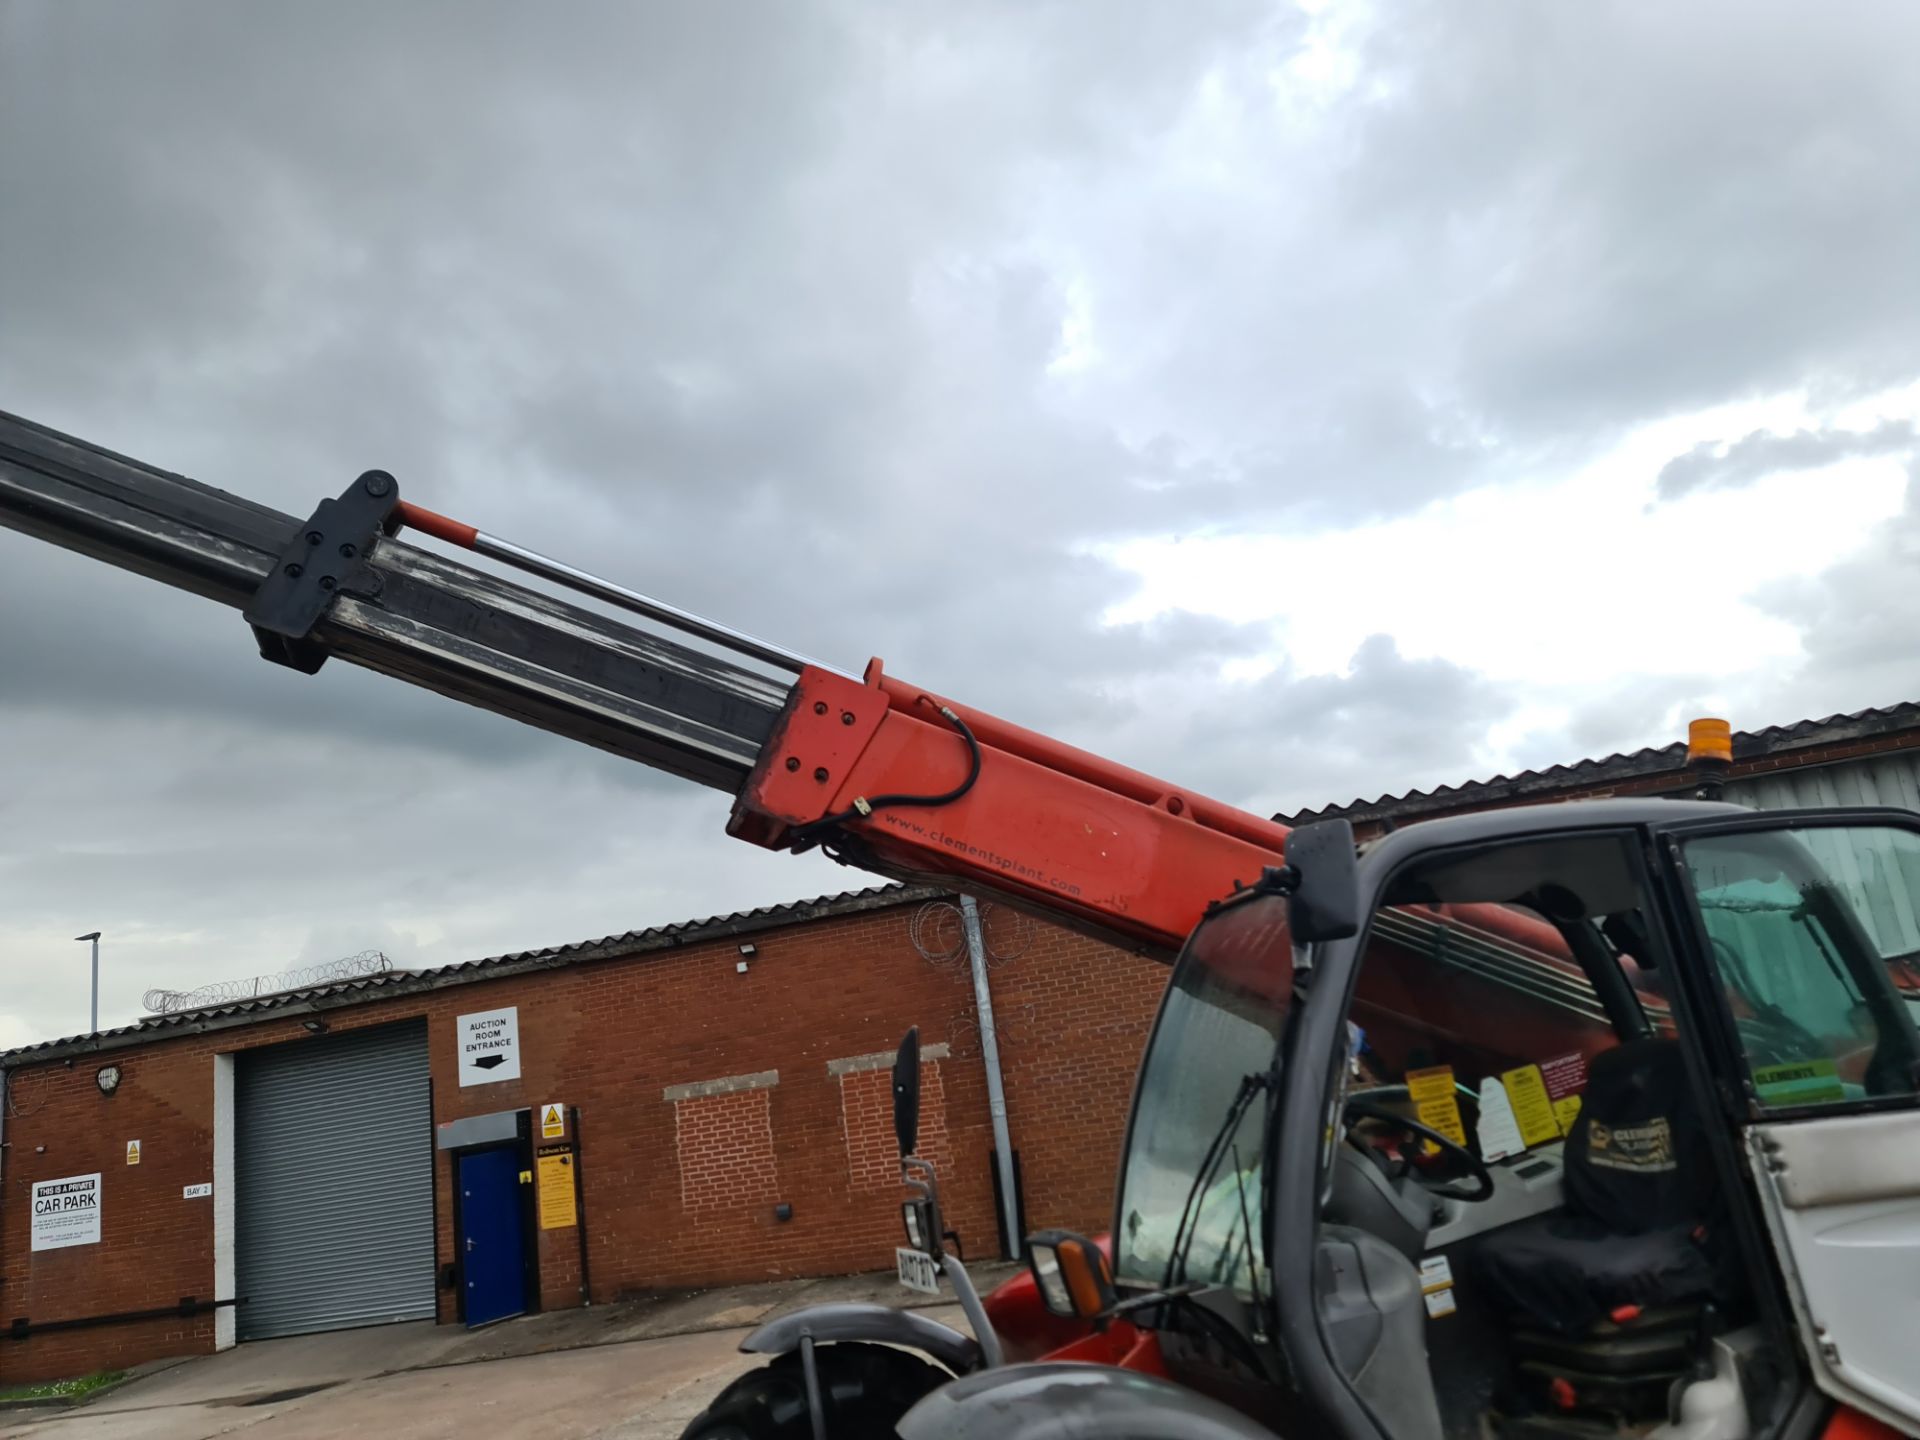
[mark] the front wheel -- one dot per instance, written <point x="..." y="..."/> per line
<point x="865" y="1389"/>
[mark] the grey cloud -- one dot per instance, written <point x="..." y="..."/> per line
<point x="1762" y="453"/>
<point x="755" y="308"/>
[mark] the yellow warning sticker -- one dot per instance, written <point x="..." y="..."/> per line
<point x="556" y="1192"/>
<point x="1531" y="1108"/>
<point x="553" y="1122"/>
<point x="1435" y="1103"/>
<point x="1565" y="1110"/>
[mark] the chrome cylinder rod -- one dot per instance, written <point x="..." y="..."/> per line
<point x="574" y="578"/>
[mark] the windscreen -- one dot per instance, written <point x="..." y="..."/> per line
<point x="1219" y="1025"/>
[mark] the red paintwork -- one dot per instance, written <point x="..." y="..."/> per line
<point x="1030" y="1331"/>
<point x="1849" y="1424"/>
<point x="428" y="522"/>
<point x="1083" y="840"/>
<point x="1027" y="1329"/>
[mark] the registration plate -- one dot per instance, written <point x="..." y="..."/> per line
<point x="918" y="1270"/>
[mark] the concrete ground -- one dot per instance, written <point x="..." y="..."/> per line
<point x="638" y="1370"/>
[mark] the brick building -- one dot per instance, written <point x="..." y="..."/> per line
<point x="696" y="1104"/>
<point x="724" y="1113"/>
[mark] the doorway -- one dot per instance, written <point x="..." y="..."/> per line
<point x="492" y="1237"/>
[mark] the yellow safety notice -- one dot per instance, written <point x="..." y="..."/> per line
<point x="556" y="1192"/>
<point x="1565" y="1111"/>
<point x="1435" y="1103"/>
<point x="133" y="1152"/>
<point x="553" y="1122"/>
<point x="1533" y="1111"/>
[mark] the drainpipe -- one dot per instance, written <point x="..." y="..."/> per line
<point x="996" y="1091"/>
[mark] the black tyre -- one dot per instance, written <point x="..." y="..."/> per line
<point x="865" y="1389"/>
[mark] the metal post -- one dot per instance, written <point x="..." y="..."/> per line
<point x="93" y="1026"/>
<point x="996" y="1092"/>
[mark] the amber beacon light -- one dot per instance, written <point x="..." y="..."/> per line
<point x="1709" y="741"/>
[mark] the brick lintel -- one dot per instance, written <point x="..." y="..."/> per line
<point x="883" y="1059"/>
<point x="726" y="1085"/>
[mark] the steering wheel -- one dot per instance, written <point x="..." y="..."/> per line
<point x="1366" y="1109"/>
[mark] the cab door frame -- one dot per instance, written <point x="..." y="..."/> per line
<point x="1325" y="979"/>
<point x="1783" y="1147"/>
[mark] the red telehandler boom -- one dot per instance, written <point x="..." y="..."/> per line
<point x="1670" y="1024"/>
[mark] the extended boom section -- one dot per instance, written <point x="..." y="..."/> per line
<point x="404" y="611"/>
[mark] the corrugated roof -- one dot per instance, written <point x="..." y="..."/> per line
<point x="1655" y="760"/>
<point x="400" y="982"/>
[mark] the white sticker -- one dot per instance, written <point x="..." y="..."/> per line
<point x="1440" y="1303"/>
<point x="489" y="1046"/>
<point x="1499" y="1129"/>
<point x="1435" y="1273"/>
<point x="196" y="1192"/>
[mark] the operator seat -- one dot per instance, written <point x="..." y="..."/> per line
<point x="1606" y="1297"/>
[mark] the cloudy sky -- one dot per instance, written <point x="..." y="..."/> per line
<point x="1301" y="402"/>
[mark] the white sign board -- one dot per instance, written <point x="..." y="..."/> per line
<point x="66" y="1212"/>
<point x="196" y="1192"/>
<point x="489" y="1046"/>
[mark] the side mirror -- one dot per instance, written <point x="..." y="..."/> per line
<point x="1325" y="903"/>
<point x="906" y="1092"/>
<point x="1072" y="1274"/>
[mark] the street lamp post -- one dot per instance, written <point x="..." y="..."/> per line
<point x="94" y="936"/>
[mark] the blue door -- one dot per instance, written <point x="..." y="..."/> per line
<point x="492" y="1241"/>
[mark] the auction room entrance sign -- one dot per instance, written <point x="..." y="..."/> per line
<point x="66" y="1212"/>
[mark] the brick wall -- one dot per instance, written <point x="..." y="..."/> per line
<point x="675" y="1192"/>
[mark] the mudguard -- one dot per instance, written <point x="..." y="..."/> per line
<point x="1058" y="1401"/>
<point x="880" y="1324"/>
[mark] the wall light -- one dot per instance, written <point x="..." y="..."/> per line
<point x="314" y="1027"/>
<point x="748" y="951"/>
<point x="107" y="1077"/>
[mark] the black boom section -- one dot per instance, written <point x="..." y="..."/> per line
<point x="408" y="613"/>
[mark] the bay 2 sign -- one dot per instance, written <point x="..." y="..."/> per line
<point x="66" y="1212"/>
<point x="489" y="1046"/>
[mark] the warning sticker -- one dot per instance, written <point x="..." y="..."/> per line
<point x="556" y="1191"/>
<point x="1564" y="1075"/>
<point x="552" y="1122"/>
<point x="133" y="1152"/>
<point x="1435" y="1273"/>
<point x="1805" y="1082"/>
<point x="1565" y="1112"/>
<point x="1532" y="1107"/>
<point x="1435" y="1103"/>
<point x="1440" y="1304"/>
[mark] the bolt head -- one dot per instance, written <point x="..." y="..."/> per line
<point x="314" y="537"/>
<point x="846" y="717"/>
<point x="793" y="762"/>
<point x="327" y="582"/>
<point x="377" y="483"/>
<point x="347" y="552"/>
<point x="295" y="569"/>
<point x="819" y="707"/>
<point x="821" y="774"/>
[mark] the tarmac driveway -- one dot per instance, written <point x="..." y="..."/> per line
<point x="639" y="1371"/>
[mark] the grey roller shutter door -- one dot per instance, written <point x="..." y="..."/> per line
<point x="334" y="1197"/>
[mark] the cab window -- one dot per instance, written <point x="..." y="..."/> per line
<point x="1813" y="938"/>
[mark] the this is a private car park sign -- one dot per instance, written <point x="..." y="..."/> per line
<point x="66" y="1212"/>
<point x="489" y="1046"/>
